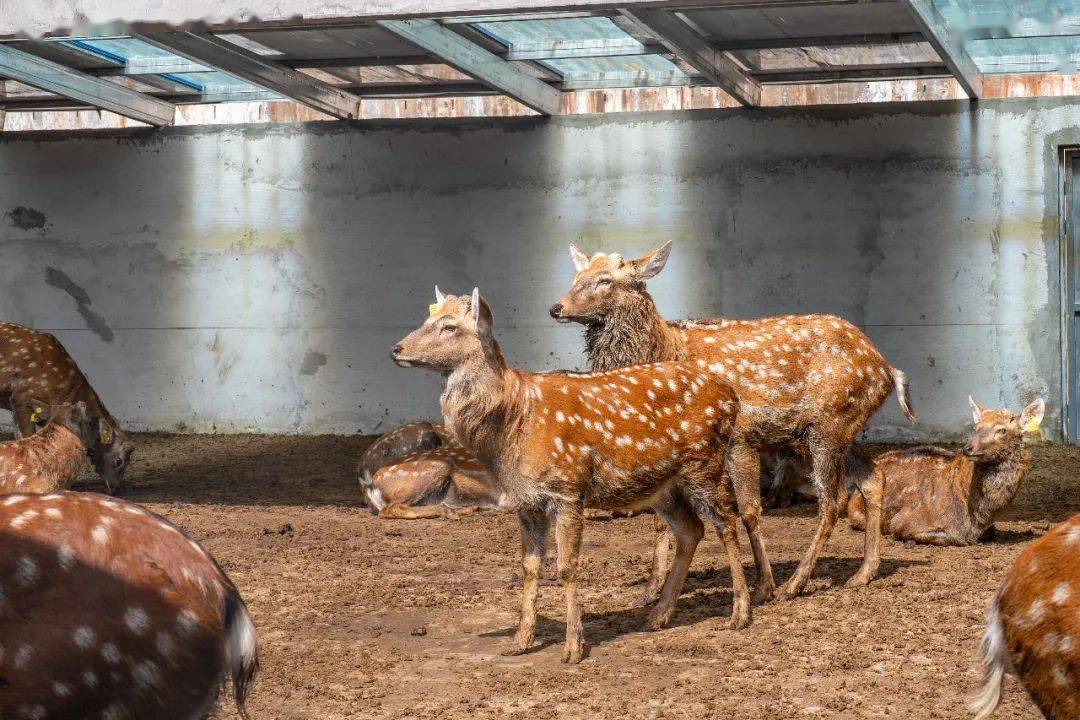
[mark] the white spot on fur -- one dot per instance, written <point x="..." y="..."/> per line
<point x="83" y="636"/>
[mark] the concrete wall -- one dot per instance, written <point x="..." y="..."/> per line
<point x="255" y="277"/>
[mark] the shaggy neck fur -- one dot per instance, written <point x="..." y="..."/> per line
<point x="632" y="334"/>
<point x="56" y="455"/>
<point x="482" y="405"/>
<point x="994" y="485"/>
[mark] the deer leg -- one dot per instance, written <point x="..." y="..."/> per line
<point x="401" y="511"/>
<point x="568" y="528"/>
<point x="685" y="525"/>
<point x="661" y="562"/>
<point x="534" y="527"/>
<point x="828" y="476"/>
<point x="744" y="470"/>
<point x="871" y="488"/>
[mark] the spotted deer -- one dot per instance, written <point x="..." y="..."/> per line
<point x="395" y="444"/>
<point x="807" y="383"/>
<point x="113" y="612"/>
<point x="34" y="364"/>
<point x="1033" y="627"/>
<point x="652" y="435"/>
<point x="940" y="497"/>
<point x="51" y="459"/>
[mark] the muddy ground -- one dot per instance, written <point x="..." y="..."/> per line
<point x="366" y="618"/>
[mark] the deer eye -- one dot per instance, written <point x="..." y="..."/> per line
<point x="447" y="329"/>
<point x="601" y="282"/>
<point x="1000" y="431"/>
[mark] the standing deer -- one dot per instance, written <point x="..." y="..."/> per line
<point x="110" y="611"/>
<point x="1033" y="627"/>
<point x="807" y="383"/>
<point x="35" y="365"/>
<point x="652" y="435"/>
<point x="51" y="459"/>
<point x="941" y="497"/>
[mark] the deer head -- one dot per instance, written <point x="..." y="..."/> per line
<point x="458" y="329"/>
<point x="604" y="283"/>
<point x="998" y="433"/>
<point x="110" y="450"/>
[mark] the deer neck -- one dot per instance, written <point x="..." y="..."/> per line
<point x="996" y="484"/>
<point x="60" y="452"/>
<point x="478" y="406"/>
<point x="633" y="334"/>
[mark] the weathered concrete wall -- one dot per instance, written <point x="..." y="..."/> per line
<point x="255" y="278"/>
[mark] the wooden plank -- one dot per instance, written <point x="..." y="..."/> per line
<point x="693" y="49"/>
<point x="214" y="52"/>
<point x="947" y="46"/>
<point x="61" y="80"/>
<point x="475" y="61"/>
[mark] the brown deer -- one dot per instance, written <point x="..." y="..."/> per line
<point x="51" y="459"/>
<point x="807" y="383"/>
<point x="34" y="364"/>
<point x="110" y="611"/>
<point x="395" y="444"/>
<point x="1033" y="627"/>
<point x="941" y="497"/>
<point x="652" y="435"/>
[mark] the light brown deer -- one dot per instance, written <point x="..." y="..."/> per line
<point x="395" y="444"/>
<point x="33" y="365"/>
<point x="941" y="497"/>
<point x="807" y="383"/>
<point x="110" y="611"/>
<point x="652" y="435"/>
<point x="1033" y="627"/>
<point x="51" y="459"/>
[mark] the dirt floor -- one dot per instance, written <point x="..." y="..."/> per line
<point x="366" y="618"/>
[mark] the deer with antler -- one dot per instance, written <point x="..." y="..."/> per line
<point x="652" y="435"/>
<point x="807" y="383"/>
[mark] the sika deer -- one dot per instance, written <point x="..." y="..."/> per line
<point x="652" y="435"/>
<point x="1033" y="627"/>
<point x="807" y="383"/>
<point x="112" y="612"/>
<point x="392" y="446"/>
<point x="940" y="497"/>
<point x="50" y="459"/>
<point x="35" y="365"/>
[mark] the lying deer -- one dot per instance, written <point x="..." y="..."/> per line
<point x="652" y="435"/>
<point x="942" y="497"/>
<point x="51" y="459"/>
<point x="807" y="383"/>
<point x="110" y="611"/>
<point x="1033" y="627"/>
<point x="393" y="445"/>
<point x="35" y="365"/>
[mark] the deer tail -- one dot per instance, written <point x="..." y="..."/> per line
<point x="241" y="649"/>
<point x="995" y="663"/>
<point x="903" y="396"/>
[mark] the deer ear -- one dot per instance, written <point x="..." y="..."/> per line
<point x="976" y="409"/>
<point x="1032" y="416"/>
<point x="650" y="265"/>
<point x="485" y="322"/>
<point x="105" y="431"/>
<point x="581" y="260"/>
<point x="39" y="411"/>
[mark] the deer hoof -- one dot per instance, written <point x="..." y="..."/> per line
<point x="740" y="615"/>
<point x="514" y="650"/>
<point x="860" y="579"/>
<point x="573" y="652"/>
<point x="658" y="620"/>
<point x="648" y="596"/>
<point x="764" y="593"/>
<point x="788" y="591"/>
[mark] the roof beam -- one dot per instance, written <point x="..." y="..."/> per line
<point x="473" y="60"/>
<point x="948" y="47"/>
<point x="206" y="49"/>
<point x="853" y="74"/>
<point x="62" y="80"/>
<point x="825" y="41"/>
<point x="693" y="49"/>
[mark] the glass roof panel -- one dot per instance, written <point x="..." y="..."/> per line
<point x="525" y="32"/>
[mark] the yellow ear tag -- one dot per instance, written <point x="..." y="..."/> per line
<point x="36" y="414"/>
<point x="1032" y="425"/>
<point x="433" y="309"/>
<point x="106" y="437"/>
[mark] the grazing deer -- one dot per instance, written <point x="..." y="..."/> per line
<point x="941" y="497"/>
<point x="35" y="365"/>
<point x="1033" y="627"/>
<point x="51" y="459"/>
<point x="110" y="611"/>
<point x="652" y="435"/>
<point x="807" y="383"/>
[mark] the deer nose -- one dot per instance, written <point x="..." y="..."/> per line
<point x="556" y="310"/>
<point x="969" y="449"/>
<point x="397" y="350"/>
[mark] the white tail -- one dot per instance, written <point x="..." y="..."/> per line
<point x="995" y="662"/>
<point x="241" y="650"/>
<point x="903" y="396"/>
